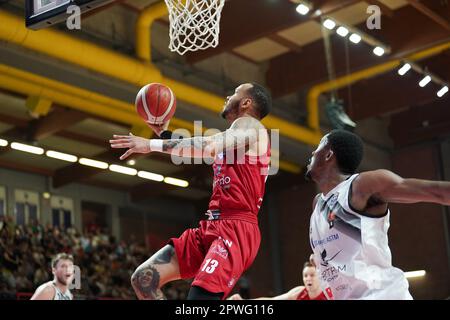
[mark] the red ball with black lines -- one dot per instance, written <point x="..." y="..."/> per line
<point x="156" y="103"/>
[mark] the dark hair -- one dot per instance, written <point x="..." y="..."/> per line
<point x="348" y="149"/>
<point x="262" y="99"/>
<point x="61" y="256"/>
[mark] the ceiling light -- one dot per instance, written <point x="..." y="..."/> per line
<point x="342" y="31"/>
<point x="443" y="91"/>
<point x="426" y="80"/>
<point x="93" y="163"/>
<point x="329" y="24"/>
<point x="355" y="38"/>
<point x="123" y="170"/>
<point x="379" y="51"/>
<point x="27" y="148"/>
<point x="403" y="70"/>
<point x="415" y="274"/>
<point x="131" y="162"/>
<point x="3" y="143"/>
<point x="176" y="182"/>
<point x="150" y="176"/>
<point x="61" y="156"/>
<point x="302" y="9"/>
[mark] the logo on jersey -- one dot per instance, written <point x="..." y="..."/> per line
<point x="324" y="241"/>
<point x="219" y="250"/>
<point x="331" y="216"/>
<point x="224" y="182"/>
<point x="323" y="256"/>
<point x="333" y="200"/>
<point x="226" y="242"/>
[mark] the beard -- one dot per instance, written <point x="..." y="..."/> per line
<point x="224" y="113"/>
<point x="63" y="280"/>
<point x="230" y="108"/>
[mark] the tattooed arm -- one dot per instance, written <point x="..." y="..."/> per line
<point x="242" y="133"/>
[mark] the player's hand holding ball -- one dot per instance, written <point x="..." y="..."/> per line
<point x="155" y="104"/>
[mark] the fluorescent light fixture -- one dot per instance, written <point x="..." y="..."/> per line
<point x="355" y="38"/>
<point x="176" y="182"/>
<point x="379" y="51"/>
<point x="131" y="162"/>
<point x="342" y="31"/>
<point x="415" y="274"/>
<point x="150" y="176"/>
<point x="93" y="163"/>
<point x="123" y="170"/>
<point x="426" y="80"/>
<point x="3" y="143"/>
<point x="27" y="148"/>
<point x="443" y="91"/>
<point x="329" y="24"/>
<point x="61" y="156"/>
<point x="302" y="9"/>
<point x="403" y="70"/>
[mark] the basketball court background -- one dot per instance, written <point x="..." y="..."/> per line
<point x="70" y="90"/>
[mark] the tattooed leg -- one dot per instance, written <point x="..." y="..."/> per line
<point x="154" y="273"/>
<point x="145" y="282"/>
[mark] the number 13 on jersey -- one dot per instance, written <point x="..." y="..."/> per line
<point x="210" y="265"/>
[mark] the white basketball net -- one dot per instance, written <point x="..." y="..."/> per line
<point x="194" y="24"/>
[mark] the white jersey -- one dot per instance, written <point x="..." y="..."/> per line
<point x="351" y="250"/>
<point x="59" y="295"/>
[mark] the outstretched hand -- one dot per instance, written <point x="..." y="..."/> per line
<point x="133" y="143"/>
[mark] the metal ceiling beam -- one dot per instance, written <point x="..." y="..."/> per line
<point x="92" y="103"/>
<point x="424" y="9"/>
<point x="316" y="91"/>
<point x="391" y="93"/>
<point x="292" y="72"/>
<point x="54" y="122"/>
<point x="272" y="17"/>
<point x="127" y="69"/>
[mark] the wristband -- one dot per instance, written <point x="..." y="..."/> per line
<point x="156" y="145"/>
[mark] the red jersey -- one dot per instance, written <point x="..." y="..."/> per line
<point x="303" y="295"/>
<point x="239" y="185"/>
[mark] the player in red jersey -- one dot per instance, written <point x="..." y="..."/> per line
<point x="310" y="291"/>
<point x="217" y="252"/>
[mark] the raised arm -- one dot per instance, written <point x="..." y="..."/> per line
<point x="242" y="133"/>
<point x="386" y="186"/>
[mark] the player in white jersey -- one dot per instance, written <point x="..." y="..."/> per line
<point x="58" y="289"/>
<point x="350" y="219"/>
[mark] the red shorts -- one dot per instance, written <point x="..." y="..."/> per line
<point x="217" y="253"/>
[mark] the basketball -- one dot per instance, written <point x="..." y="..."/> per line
<point x="155" y="103"/>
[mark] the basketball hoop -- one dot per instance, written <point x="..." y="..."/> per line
<point x="194" y="24"/>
